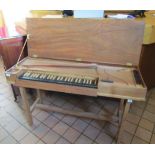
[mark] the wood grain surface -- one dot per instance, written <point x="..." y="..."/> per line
<point x="90" y="40"/>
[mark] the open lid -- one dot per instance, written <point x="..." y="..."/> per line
<point x="89" y="40"/>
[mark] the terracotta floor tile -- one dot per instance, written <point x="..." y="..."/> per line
<point x="133" y="118"/>
<point x="154" y="129"/>
<point x="79" y="109"/>
<point x="69" y="119"/>
<point x="58" y="115"/>
<point x="149" y="116"/>
<point x="137" y="140"/>
<point x="51" y="137"/>
<point x="146" y="124"/>
<point x="130" y="127"/>
<point x="51" y="121"/>
<point x="91" y="132"/>
<point x="98" y="124"/>
<point x="111" y="107"/>
<point x="153" y="139"/>
<point x="41" y="130"/>
<point x="103" y="138"/>
<point x="62" y="141"/>
<point x="151" y="108"/>
<point x="59" y="102"/>
<point x="71" y="135"/>
<point x="80" y="125"/>
<point x="41" y="116"/>
<point x="143" y="134"/>
<point x="94" y="109"/>
<point x="140" y="104"/>
<point x="20" y="133"/>
<point x="136" y="110"/>
<point x="151" y="100"/>
<point x="68" y="106"/>
<point x="110" y="129"/>
<point x="83" y="140"/>
<point x="9" y="140"/>
<point x="29" y="139"/>
<point x="60" y="128"/>
<point x="87" y="120"/>
<point x="126" y="138"/>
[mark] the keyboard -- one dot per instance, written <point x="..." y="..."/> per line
<point x="60" y="78"/>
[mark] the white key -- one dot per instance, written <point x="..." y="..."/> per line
<point x="79" y="81"/>
<point x="71" y="79"/>
<point x="61" y="77"/>
<point x="37" y="75"/>
<point x="90" y="81"/>
<point x="48" y="77"/>
<point x="76" y="80"/>
<point x="58" y="78"/>
<point x="66" y="79"/>
<point x="51" y="76"/>
<point x="87" y="81"/>
<point x="26" y="74"/>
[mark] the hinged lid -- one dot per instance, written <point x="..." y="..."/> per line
<point x="90" y="40"/>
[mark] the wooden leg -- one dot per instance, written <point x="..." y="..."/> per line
<point x="121" y="110"/>
<point x="122" y="121"/>
<point x="26" y="105"/>
<point x="39" y="95"/>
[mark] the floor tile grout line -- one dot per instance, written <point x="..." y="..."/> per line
<point x="88" y="123"/>
<point x="53" y="127"/>
<point x="153" y="123"/>
<point x="26" y="128"/>
<point x="9" y="135"/>
<point x="139" y="125"/>
<point x="33" y="134"/>
<point x="146" y="102"/>
<point x="136" y="136"/>
<point x="63" y="138"/>
<point x="152" y="133"/>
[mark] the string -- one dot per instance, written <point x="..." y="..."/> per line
<point x="27" y="37"/>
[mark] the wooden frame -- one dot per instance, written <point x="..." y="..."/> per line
<point x="117" y="121"/>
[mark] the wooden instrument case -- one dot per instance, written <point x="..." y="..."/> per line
<point x="111" y="47"/>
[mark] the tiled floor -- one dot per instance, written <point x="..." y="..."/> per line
<point x="62" y="129"/>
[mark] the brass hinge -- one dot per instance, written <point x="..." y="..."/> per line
<point x="34" y="55"/>
<point x="78" y="59"/>
<point x="129" y="64"/>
